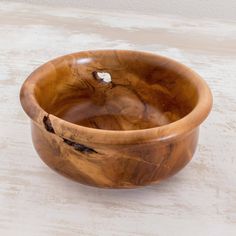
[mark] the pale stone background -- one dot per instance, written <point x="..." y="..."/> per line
<point x="200" y="200"/>
<point x="190" y="8"/>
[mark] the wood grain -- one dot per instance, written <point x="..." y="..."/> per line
<point x="200" y="200"/>
<point x="138" y="128"/>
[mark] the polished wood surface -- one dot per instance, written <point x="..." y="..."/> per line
<point x="115" y="118"/>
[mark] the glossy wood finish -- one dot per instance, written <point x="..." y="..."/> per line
<point x="138" y="128"/>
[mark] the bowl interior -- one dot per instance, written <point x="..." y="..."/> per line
<point x="116" y="90"/>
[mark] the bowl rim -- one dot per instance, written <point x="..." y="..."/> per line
<point x="78" y="133"/>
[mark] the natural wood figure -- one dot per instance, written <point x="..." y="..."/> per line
<point x="115" y="118"/>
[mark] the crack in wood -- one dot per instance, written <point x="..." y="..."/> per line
<point x="47" y="124"/>
<point x="79" y="147"/>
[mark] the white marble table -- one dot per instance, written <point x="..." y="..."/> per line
<point x="35" y="201"/>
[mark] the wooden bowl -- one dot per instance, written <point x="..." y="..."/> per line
<point x="115" y="118"/>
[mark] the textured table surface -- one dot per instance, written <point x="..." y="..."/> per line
<point x="200" y="200"/>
